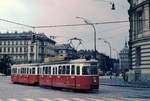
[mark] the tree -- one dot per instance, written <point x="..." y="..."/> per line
<point x="5" y="64"/>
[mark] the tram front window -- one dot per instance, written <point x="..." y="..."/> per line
<point x="89" y="70"/>
<point x="94" y="70"/>
<point x="86" y="70"/>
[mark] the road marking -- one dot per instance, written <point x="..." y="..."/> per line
<point x="12" y="99"/>
<point x="93" y="99"/>
<point x="60" y="99"/>
<point x="136" y="99"/>
<point x="44" y="99"/>
<point x="29" y="100"/>
<point x="78" y="99"/>
<point x="113" y="99"/>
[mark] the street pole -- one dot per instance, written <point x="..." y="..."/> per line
<point x="86" y="21"/>
<point x="105" y="41"/>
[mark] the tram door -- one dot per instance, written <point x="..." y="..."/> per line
<point x="73" y="77"/>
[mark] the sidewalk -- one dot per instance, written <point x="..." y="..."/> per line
<point x="118" y="81"/>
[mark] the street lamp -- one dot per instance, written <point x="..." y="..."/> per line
<point x="88" y="23"/>
<point x="105" y="41"/>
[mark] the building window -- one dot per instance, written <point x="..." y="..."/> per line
<point x="0" y="49"/>
<point x="8" y="49"/>
<point x="8" y="42"/>
<point x="4" y="42"/>
<point x="20" y="42"/>
<point x="12" y="42"/>
<point x="16" y="42"/>
<point x="12" y="49"/>
<point x="4" y="49"/>
<point x="32" y="48"/>
<point x="139" y="21"/>
<point x="138" y="56"/>
<point x="20" y="49"/>
<point x="16" y="49"/>
<point x="25" y="49"/>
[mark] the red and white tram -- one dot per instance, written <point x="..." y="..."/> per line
<point x="75" y="74"/>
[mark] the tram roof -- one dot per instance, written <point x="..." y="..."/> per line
<point x="70" y="61"/>
<point x="76" y="61"/>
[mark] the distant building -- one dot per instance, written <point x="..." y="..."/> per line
<point x="124" y="59"/>
<point x="139" y="41"/>
<point x="104" y="62"/>
<point x="20" y="48"/>
<point x="65" y="50"/>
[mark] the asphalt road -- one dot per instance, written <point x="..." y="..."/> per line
<point x="20" y="92"/>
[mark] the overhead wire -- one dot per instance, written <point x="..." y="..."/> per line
<point x="69" y="25"/>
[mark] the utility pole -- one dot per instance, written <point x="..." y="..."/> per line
<point x="86" y="21"/>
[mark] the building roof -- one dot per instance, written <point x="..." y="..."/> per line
<point x="63" y="46"/>
<point x="125" y="49"/>
<point x="25" y="35"/>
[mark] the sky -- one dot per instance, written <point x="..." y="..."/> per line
<point x="60" y="12"/>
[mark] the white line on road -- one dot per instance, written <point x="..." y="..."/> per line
<point x="93" y="99"/>
<point x="12" y="99"/>
<point x="78" y="99"/>
<point x="29" y="100"/>
<point x="44" y="99"/>
<point x="60" y="99"/>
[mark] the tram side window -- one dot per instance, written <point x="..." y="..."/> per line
<point x="67" y="69"/>
<point x="33" y="70"/>
<point x="30" y="70"/>
<point x="56" y="70"/>
<point x="18" y="71"/>
<point x="14" y="70"/>
<point x="49" y="70"/>
<point x="72" y="69"/>
<point x="38" y="70"/>
<point x="24" y="71"/>
<point x="27" y="70"/>
<point x="46" y="70"/>
<point x="53" y="71"/>
<point x="78" y="70"/>
<point x="60" y="70"/>
<point x="21" y="70"/>
<point x="63" y="70"/>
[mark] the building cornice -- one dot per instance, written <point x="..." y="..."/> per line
<point x="144" y="39"/>
<point x="137" y="6"/>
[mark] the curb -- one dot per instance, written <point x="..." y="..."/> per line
<point x="134" y="86"/>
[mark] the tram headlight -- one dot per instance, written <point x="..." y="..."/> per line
<point x="94" y="79"/>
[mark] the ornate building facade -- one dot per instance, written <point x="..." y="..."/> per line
<point x="21" y="49"/>
<point x="124" y="59"/>
<point x="139" y="40"/>
<point x="65" y="50"/>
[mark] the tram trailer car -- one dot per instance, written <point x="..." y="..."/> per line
<point x="25" y="73"/>
<point x="78" y="74"/>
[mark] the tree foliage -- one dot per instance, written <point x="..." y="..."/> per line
<point x="5" y="64"/>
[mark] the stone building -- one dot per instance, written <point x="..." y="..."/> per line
<point x="20" y="48"/>
<point x="105" y="64"/>
<point x="124" y="59"/>
<point x="139" y="41"/>
<point x="65" y="50"/>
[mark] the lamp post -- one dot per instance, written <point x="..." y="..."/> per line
<point x="88" y="23"/>
<point x="105" y="41"/>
